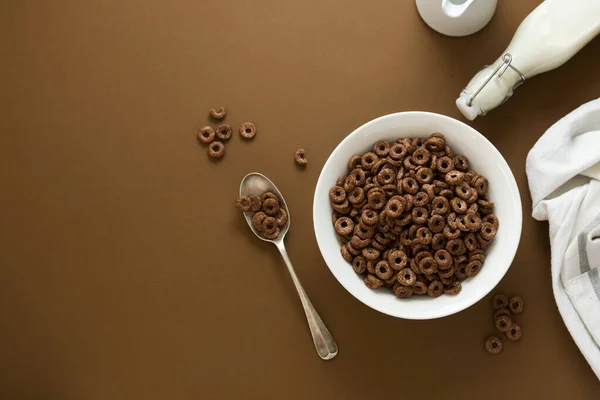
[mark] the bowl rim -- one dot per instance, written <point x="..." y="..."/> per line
<point x="323" y="187"/>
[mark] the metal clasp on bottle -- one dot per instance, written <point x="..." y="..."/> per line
<point x="500" y="70"/>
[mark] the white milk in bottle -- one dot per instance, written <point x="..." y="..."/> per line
<point x="548" y="37"/>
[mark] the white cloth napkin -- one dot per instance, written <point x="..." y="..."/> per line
<point x="563" y="169"/>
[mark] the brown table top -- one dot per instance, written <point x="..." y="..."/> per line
<point x="126" y="271"/>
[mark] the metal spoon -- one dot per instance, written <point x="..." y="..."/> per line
<point x="256" y="184"/>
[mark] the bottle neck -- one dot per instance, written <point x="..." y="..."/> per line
<point x="492" y="86"/>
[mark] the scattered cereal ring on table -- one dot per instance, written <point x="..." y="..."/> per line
<point x="247" y="130"/>
<point x="206" y="134"/>
<point x="223" y="132"/>
<point x="300" y="157"/>
<point x="216" y="150"/>
<point x="217" y="114"/>
<point x="494" y="345"/>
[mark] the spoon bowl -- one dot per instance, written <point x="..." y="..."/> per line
<point x="255" y="184"/>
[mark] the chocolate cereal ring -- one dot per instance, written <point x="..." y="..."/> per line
<point x="269" y="225"/>
<point x="488" y="231"/>
<point x="503" y="323"/>
<point x="435" y="289"/>
<point x="419" y="287"/>
<point x="344" y="226"/>
<point x="386" y="176"/>
<point x="454" y="177"/>
<point x="421" y="156"/>
<point x="381" y="148"/>
<point x="424" y="235"/>
<point x="372" y="282"/>
<point x="359" y="265"/>
<point x="440" y="206"/>
<point x="257" y="220"/>
<point x="436" y="223"/>
<point x="369" y="217"/>
<point x="420" y="215"/>
<point x="471" y="242"/>
<point x="493" y="345"/>
<point x="223" y="132"/>
<point x="216" y="149"/>
<point x="428" y="266"/>
<point x="354" y="162"/>
<point x="300" y="157"/>
<point x="368" y="160"/>
<point x="370" y="253"/>
<point x="443" y="259"/>
<point x="438" y="242"/>
<point x="492" y="219"/>
<point x="407" y="277"/>
<point x="271" y="235"/>
<point x="342" y="208"/>
<point x="500" y="301"/>
<point x="217" y="114"/>
<point x="403" y="292"/>
<point x="394" y="208"/>
<point x="454" y="288"/>
<point x="451" y="233"/>
<point x="461" y="163"/>
<point x="383" y="270"/>
<point x="346" y="254"/>
<point x="247" y="130"/>
<point x="359" y="243"/>
<point x="356" y="196"/>
<point x="516" y="304"/>
<point x="435" y="144"/>
<point x="271" y="207"/>
<point x="421" y="199"/>
<point x="397" y="151"/>
<point x="456" y="247"/>
<point x="358" y="177"/>
<point x="445" y="164"/>
<point x="473" y="222"/>
<point x="243" y="203"/>
<point x="376" y="199"/>
<point x="337" y="194"/>
<point x="459" y="205"/>
<point x="397" y="259"/>
<point x="473" y="268"/>
<point x="268" y="195"/>
<point x="424" y="175"/>
<point x="206" y="135"/>
<point x="514" y="332"/>
<point x="502" y="311"/>
<point x="447" y="274"/>
<point x="463" y="190"/>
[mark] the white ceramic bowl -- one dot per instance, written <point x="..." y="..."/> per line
<point x="483" y="157"/>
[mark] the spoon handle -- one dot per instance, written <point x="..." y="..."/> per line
<point x="324" y="342"/>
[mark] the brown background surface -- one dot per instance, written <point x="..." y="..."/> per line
<point x="125" y="270"/>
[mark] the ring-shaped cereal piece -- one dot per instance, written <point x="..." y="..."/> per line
<point x="471" y="242"/>
<point x="438" y="242"/>
<point x="516" y="304"/>
<point x="451" y="233"/>
<point x="216" y="149"/>
<point x="269" y="225"/>
<point x="370" y="253"/>
<point x="459" y="205"/>
<point x="369" y="217"/>
<point x="354" y="162"/>
<point x="421" y="199"/>
<point x="443" y="259"/>
<point x="376" y="199"/>
<point x="428" y="266"/>
<point x="463" y="190"/>
<point x="473" y="268"/>
<point x="424" y="235"/>
<point x="223" y="132"/>
<point x="421" y="156"/>
<point x="397" y="151"/>
<point x="372" y="282"/>
<point x="381" y="148"/>
<point x="488" y="231"/>
<point x="281" y="217"/>
<point x="494" y="345"/>
<point x="217" y="114"/>
<point x="454" y="288"/>
<point x="247" y="130"/>
<point x="383" y="270"/>
<point x="407" y="277"/>
<point x="359" y="265"/>
<point x="271" y="207"/>
<point x="436" y="223"/>
<point x="424" y="175"/>
<point x="420" y="215"/>
<point x="445" y="164"/>
<point x="514" y="332"/>
<point x="500" y="301"/>
<point x="358" y="177"/>
<point x="492" y="219"/>
<point x="337" y="194"/>
<point x="368" y="160"/>
<point x="461" y="163"/>
<point x="454" y="177"/>
<point x="435" y="144"/>
<point x="456" y="247"/>
<point x="206" y="134"/>
<point x="257" y="220"/>
<point x="344" y="226"/>
<point x="356" y="196"/>
<point x="435" y="289"/>
<point x="394" y="208"/>
<point x="403" y="292"/>
<point x="440" y="206"/>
